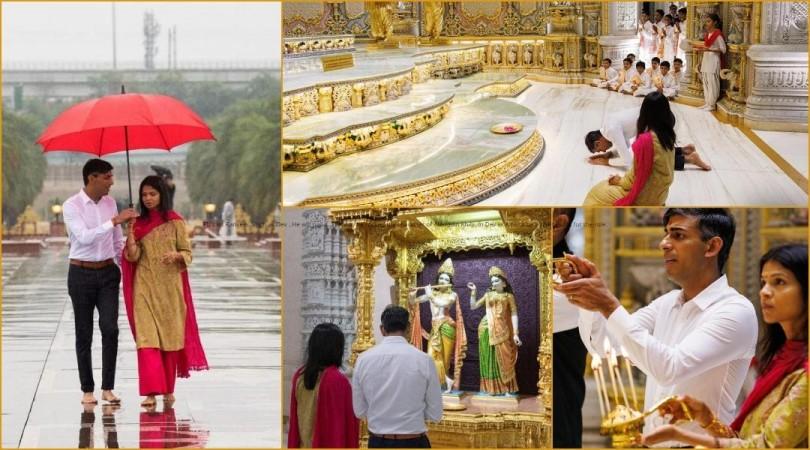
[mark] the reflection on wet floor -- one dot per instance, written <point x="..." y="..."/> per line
<point x="235" y="404"/>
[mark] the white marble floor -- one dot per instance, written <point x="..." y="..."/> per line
<point x="791" y="146"/>
<point x="743" y="175"/>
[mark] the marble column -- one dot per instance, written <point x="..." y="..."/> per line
<point x="619" y="22"/>
<point x="777" y="70"/>
<point x="329" y="278"/>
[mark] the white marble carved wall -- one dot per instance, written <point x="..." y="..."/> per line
<point x="620" y="37"/>
<point x="784" y="23"/>
<point x="777" y="69"/>
<point x="329" y="278"/>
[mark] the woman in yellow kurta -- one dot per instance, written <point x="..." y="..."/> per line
<point x="498" y="339"/>
<point x="648" y="180"/>
<point x="774" y="415"/>
<point x="158" y="296"/>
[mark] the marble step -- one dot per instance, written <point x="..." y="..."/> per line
<point x="316" y="140"/>
<point x="307" y="72"/>
<point x="326" y="125"/>
<point x="457" y="144"/>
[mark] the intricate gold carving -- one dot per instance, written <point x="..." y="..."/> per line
<point x="381" y="20"/>
<point x="337" y="62"/>
<point x="325" y="99"/>
<point x="433" y="14"/>
<point x="360" y="137"/>
<point x="365" y="249"/>
<point x="409" y="235"/>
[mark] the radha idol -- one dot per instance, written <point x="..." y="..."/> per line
<point x="498" y="339"/>
<point x="447" y="341"/>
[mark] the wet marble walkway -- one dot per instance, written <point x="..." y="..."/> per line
<point x="234" y="404"/>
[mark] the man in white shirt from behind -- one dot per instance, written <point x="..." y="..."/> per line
<point x="96" y="241"/>
<point x="695" y="341"/>
<point x="395" y="388"/>
<point x="607" y="75"/>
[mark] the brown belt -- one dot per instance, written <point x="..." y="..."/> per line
<point x="92" y="264"/>
<point x="398" y="437"/>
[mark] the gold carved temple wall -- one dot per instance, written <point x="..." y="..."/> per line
<point x="552" y="41"/>
<point x="625" y="242"/>
<point x="401" y="238"/>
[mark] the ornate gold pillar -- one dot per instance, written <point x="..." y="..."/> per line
<point x="537" y="223"/>
<point x="365" y="250"/>
<point x="696" y="12"/>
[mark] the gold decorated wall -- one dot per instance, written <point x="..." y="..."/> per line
<point x="399" y="239"/>
<point x="625" y="243"/>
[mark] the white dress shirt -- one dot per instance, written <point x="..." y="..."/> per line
<point x="93" y="237"/>
<point x="620" y="130"/>
<point x="701" y="348"/>
<point x="566" y="315"/>
<point x="395" y="388"/>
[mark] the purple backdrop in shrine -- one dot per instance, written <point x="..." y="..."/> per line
<point x="522" y="276"/>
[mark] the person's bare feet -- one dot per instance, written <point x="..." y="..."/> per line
<point x="168" y="399"/>
<point x="109" y="410"/>
<point x="694" y="158"/>
<point x="109" y="397"/>
<point x="688" y="149"/>
<point x="89" y="399"/>
<point x="149" y="401"/>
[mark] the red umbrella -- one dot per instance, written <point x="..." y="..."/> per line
<point x="124" y="122"/>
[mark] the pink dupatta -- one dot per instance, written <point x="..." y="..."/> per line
<point x="192" y="356"/>
<point x="643" y="158"/>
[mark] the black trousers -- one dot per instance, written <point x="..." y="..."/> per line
<point x="92" y="289"/>
<point x="378" y="442"/>
<point x="569" y="388"/>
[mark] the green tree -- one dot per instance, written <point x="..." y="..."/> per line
<point x="23" y="164"/>
<point x="243" y="164"/>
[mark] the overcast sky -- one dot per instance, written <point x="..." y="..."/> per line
<point x="81" y="32"/>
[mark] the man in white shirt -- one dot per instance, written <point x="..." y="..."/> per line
<point x="615" y="138"/>
<point x="695" y="341"/>
<point x="96" y="241"/>
<point x="607" y="75"/>
<point x="569" y="351"/>
<point x="395" y="388"/>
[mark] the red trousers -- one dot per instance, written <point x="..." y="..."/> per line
<point x="157" y="371"/>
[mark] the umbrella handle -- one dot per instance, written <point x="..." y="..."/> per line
<point x="129" y="175"/>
